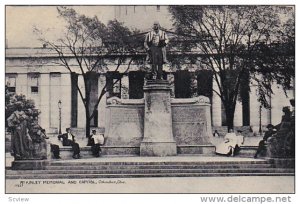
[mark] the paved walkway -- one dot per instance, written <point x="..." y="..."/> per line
<point x="236" y="184"/>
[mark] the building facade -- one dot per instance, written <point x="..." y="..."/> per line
<point x="35" y="73"/>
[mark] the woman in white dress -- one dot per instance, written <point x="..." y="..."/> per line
<point x="228" y="145"/>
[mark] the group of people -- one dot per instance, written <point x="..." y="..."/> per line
<point x="231" y="144"/>
<point x="68" y="139"/>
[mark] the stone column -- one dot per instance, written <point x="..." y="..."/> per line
<point x="171" y="79"/>
<point x="238" y="114"/>
<point x="55" y="95"/>
<point x="158" y="136"/>
<point x="66" y="93"/>
<point x="81" y="108"/>
<point x="124" y="87"/>
<point x="265" y="116"/>
<point x="102" y="103"/>
<point x="216" y="106"/>
<point x="21" y="84"/>
<point x="254" y="107"/>
<point x="45" y="101"/>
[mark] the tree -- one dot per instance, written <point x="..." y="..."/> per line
<point x="239" y="44"/>
<point x="91" y="43"/>
<point x="12" y="101"/>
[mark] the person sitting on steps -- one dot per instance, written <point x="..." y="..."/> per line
<point x="263" y="142"/>
<point x="68" y="139"/>
<point x="95" y="141"/>
<point x="227" y="147"/>
<point x="216" y="133"/>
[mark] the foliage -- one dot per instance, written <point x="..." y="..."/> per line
<point x="92" y="43"/>
<point x="239" y="44"/>
<point x="14" y="102"/>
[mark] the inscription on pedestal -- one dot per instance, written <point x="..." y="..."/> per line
<point x="126" y="126"/>
<point x="158" y="137"/>
<point x="188" y="114"/>
<point x="126" y="116"/>
<point x="189" y="125"/>
<point x="157" y="102"/>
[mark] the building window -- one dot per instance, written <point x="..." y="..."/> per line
<point x="158" y="8"/>
<point x="55" y="74"/>
<point x="34" y="89"/>
<point x="34" y="82"/>
<point x="183" y="81"/>
<point x="11" y="82"/>
<point x="11" y="89"/>
<point x="114" y="84"/>
<point x="136" y="84"/>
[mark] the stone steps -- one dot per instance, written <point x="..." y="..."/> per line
<point x="223" y="130"/>
<point x="85" y="151"/>
<point x="151" y="171"/>
<point x="80" y="169"/>
<point x="163" y="163"/>
<point x="142" y="175"/>
<point x="124" y="167"/>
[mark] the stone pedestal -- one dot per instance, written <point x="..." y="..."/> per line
<point x="29" y="164"/>
<point x="158" y="135"/>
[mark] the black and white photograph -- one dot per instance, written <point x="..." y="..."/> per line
<point x="150" y="99"/>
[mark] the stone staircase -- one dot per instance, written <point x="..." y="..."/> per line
<point x="118" y="168"/>
<point x="223" y="130"/>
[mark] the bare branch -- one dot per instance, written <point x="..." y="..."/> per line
<point x="103" y="91"/>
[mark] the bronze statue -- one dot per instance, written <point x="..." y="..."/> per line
<point x="155" y="44"/>
<point x="22" y="146"/>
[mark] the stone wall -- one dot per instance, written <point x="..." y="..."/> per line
<point x="191" y="121"/>
<point x="125" y="122"/>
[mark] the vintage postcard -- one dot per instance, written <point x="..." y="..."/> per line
<point x="196" y="99"/>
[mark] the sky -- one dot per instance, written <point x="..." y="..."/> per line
<point x="20" y="21"/>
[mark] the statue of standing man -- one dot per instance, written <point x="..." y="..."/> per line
<point x="155" y="44"/>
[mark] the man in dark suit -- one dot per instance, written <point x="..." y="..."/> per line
<point x="55" y="150"/>
<point x="155" y="43"/>
<point x="263" y="142"/>
<point x="68" y="139"/>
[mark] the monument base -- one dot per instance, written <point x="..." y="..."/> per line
<point x="29" y="164"/>
<point x="282" y="162"/>
<point x="160" y="149"/>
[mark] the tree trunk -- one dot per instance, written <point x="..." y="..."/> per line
<point x="87" y="105"/>
<point x="87" y="113"/>
<point x="87" y="122"/>
<point x="229" y="117"/>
